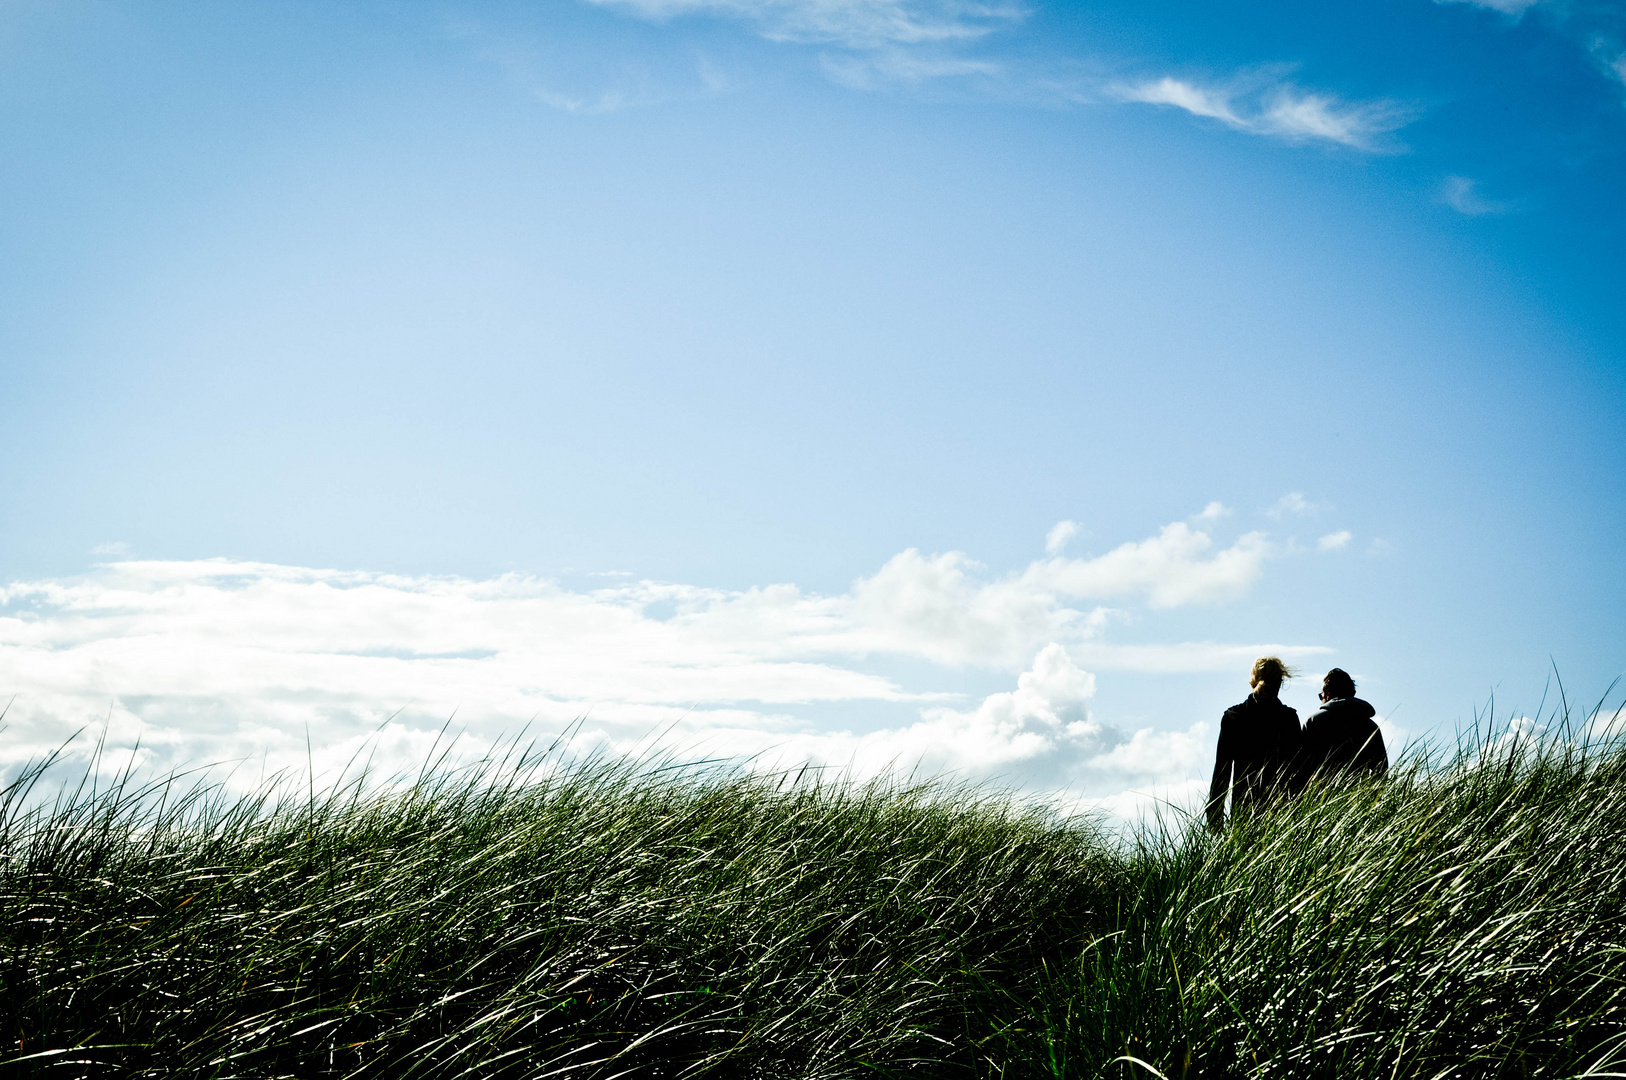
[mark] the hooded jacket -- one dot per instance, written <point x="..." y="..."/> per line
<point x="1258" y="741"/>
<point x="1341" y="740"/>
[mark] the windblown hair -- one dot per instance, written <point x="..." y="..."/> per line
<point x="1338" y="684"/>
<point x="1269" y="669"/>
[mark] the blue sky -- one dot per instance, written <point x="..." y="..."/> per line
<point x="659" y="302"/>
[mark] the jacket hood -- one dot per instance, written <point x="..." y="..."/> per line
<point x="1350" y="706"/>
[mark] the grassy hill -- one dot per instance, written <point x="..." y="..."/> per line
<point x="532" y="920"/>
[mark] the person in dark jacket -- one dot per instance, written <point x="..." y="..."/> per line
<point x="1258" y="742"/>
<point x="1340" y="740"/>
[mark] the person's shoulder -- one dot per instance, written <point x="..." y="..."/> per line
<point x="1240" y="709"/>
<point x="1342" y="710"/>
<point x="1320" y="717"/>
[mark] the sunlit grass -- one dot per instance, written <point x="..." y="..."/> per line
<point x="536" y="918"/>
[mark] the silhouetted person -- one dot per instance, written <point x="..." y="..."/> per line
<point x="1341" y="740"/>
<point x="1258" y="742"/>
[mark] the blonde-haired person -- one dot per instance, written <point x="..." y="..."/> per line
<point x="1258" y="742"/>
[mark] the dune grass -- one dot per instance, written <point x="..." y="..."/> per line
<point x="1466" y="921"/>
<point x="535" y="919"/>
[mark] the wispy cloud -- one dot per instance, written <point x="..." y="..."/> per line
<point x="1596" y="27"/>
<point x="872" y="44"/>
<point x="1506" y="7"/>
<point x="857" y="24"/>
<point x="583" y="90"/>
<point x="1335" y="541"/>
<point x="879" y="67"/>
<point x="1197" y="100"/>
<point x="1262" y="105"/>
<point x="216" y="660"/>
<point x="1462" y="195"/>
<point x="1214" y="511"/>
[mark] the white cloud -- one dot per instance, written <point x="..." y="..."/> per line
<point x="1056" y="539"/>
<point x="1167" y="570"/>
<point x="1506" y="7"/>
<point x="1196" y="100"/>
<point x="1334" y="541"/>
<point x="215" y="660"/>
<point x="1042" y="727"/>
<point x="1297" y="116"/>
<point x="1294" y="504"/>
<point x="597" y="103"/>
<point x="871" y="43"/>
<point x="111" y="547"/>
<point x="1462" y="195"/>
<point x="1186" y="657"/>
<point x="1262" y="106"/>
<point x="861" y="24"/>
<point x="867" y="70"/>
<point x="1214" y="511"/>
<point x="1603" y="726"/>
<point x="1619" y="67"/>
<point x="571" y="88"/>
<point x="1395" y="737"/>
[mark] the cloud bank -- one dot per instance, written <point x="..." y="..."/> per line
<point x="216" y="661"/>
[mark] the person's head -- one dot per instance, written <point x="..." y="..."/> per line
<point x="1268" y="673"/>
<point x="1337" y="684"/>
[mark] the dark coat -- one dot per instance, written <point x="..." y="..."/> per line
<point x="1253" y="762"/>
<point x="1341" y="740"/>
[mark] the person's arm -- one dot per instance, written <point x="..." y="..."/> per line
<point x="1374" y="756"/>
<point x="1220" y="786"/>
<point x="1287" y="772"/>
<point x="1311" y="756"/>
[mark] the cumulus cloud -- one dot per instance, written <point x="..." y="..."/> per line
<point x="1294" y="504"/>
<point x="216" y="660"/>
<point x="1214" y="511"/>
<point x="1186" y="657"/>
<point x="1168" y="570"/>
<point x="1056" y="539"/>
<point x="1263" y="106"/>
<point x="1043" y="725"/>
<point x="1604" y="726"/>
<point x="1334" y="541"/>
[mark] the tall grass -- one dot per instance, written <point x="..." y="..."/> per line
<point x="595" y="921"/>
<point x="1464" y="921"/>
<point x="602" y="919"/>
